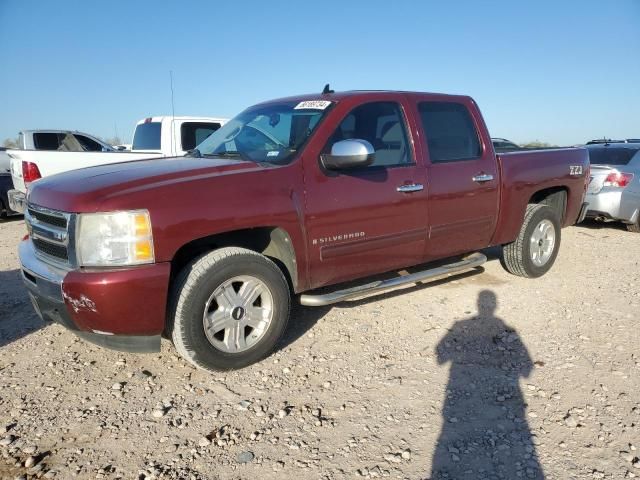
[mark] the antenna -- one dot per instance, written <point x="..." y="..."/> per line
<point x="327" y="90"/>
<point x="173" y="111"/>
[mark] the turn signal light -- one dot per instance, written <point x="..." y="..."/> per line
<point x="618" y="179"/>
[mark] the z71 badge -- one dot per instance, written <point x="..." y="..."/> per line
<point x="575" y="170"/>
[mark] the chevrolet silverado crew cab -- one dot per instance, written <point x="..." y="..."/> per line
<point x="50" y="152"/>
<point x="289" y="196"/>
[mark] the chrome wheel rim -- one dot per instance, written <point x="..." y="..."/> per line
<point x="238" y="314"/>
<point x="542" y="243"/>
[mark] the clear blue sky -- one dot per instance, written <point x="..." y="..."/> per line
<point x="557" y="71"/>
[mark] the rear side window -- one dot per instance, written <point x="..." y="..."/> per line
<point x="382" y="125"/>
<point x="147" y="136"/>
<point x="611" y="156"/>
<point x="46" y="141"/>
<point x="193" y="134"/>
<point x="451" y="134"/>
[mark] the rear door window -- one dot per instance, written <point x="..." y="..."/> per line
<point x="147" y="136"/>
<point x="193" y="134"/>
<point x="46" y="141"/>
<point x="450" y="132"/>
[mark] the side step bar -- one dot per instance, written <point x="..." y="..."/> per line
<point x="471" y="261"/>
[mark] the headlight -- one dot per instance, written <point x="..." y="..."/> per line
<point x="114" y="239"/>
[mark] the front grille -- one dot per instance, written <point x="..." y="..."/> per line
<point x="56" y="221"/>
<point x="51" y="232"/>
<point x="51" y="249"/>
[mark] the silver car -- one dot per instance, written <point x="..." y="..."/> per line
<point x="614" y="190"/>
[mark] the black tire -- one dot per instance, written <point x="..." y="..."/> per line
<point x="516" y="256"/>
<point x="193" y="289"/>
<point x="634" y="227"/>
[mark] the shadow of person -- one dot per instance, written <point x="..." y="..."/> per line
<point x="485" y="434"/>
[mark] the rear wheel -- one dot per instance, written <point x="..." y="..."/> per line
<point x="231" y="306"/>
<point x="535" y="250"/>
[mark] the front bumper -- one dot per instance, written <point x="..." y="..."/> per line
<point x="121" y="309"/>
<point x="614" y="204"/>
<point x="17" y="201"/>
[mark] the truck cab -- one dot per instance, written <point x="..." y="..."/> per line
<point x="172" y="136"/>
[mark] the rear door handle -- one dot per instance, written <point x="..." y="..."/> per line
<point x="484" y="177"/>
<point x="411" y="187"/>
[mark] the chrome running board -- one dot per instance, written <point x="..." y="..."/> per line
<point x="471" y="261"/>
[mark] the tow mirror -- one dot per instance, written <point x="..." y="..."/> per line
<point x="347" y="154"/>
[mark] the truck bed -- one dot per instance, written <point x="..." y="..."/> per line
<point x="523" y="173"/>
<point x="52" y="162"/>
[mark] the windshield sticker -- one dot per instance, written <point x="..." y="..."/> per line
<point x="273" y="153"/>
<point x="313" y="104"/>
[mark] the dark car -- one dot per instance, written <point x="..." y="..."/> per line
<point x="6" y="184"/>
<point x="502" y="145"/>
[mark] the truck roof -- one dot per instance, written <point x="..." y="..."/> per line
<point x="160" y="118"/>
<point x="47" y="130"/>
<point x="369" y="94"/>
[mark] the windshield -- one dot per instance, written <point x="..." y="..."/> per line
<point x="269" y="133"/>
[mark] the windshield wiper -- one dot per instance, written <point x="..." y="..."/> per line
<point x="194" y="153"/>
<point x="227" y="154"/>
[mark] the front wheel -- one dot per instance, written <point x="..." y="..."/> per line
<point x="231" y="306"/>
<point x="535" y="250"/>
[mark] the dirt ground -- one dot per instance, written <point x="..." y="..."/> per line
<point x="488" y="376"/>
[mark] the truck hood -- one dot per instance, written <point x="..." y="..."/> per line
<point x="87" y="189"/>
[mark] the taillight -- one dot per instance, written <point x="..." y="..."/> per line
<point x="30" y="172"/>
<point x="618" y="179"/>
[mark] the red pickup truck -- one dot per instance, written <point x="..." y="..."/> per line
<point x="289" y="196"/>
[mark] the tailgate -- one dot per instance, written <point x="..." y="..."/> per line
<point x="599" y="174"/>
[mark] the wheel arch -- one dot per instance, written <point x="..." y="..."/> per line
<point x="271" y="241"/>
<point x="554" y="197"/>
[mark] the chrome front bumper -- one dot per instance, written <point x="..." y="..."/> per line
<point x="615" y="204"/>
<point x="17" y="201"/>
<point x="44" y="283"/>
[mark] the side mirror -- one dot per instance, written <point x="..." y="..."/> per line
<point x="347" y="154"/>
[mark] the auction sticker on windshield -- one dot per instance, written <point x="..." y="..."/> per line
<point x="313" y="104"/>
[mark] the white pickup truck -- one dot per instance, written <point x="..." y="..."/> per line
<point x="62" y="140"/>
<point x="153" y="137"/>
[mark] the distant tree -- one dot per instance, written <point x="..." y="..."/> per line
<point x="11" y="142"/>
<point x="538" y="144"/>
<point x="112" y="140"/>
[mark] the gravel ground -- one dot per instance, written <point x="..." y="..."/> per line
<point x="488" y="376"/>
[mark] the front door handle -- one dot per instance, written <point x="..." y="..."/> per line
<point x="411" y="187"/>
<point x="483" y="177"/>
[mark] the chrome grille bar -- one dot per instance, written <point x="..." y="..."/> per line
<point x="52" y="234"/>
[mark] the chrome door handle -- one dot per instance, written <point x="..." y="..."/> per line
<point x="412" y="187"/>
<point x="482" y="178"/>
